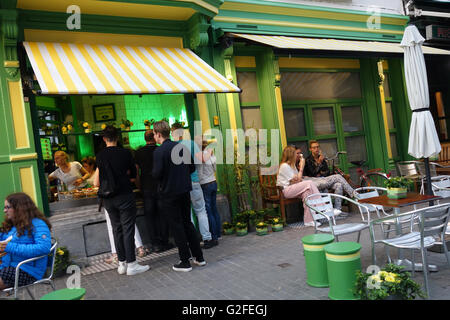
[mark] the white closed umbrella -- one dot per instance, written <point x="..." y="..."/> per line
<point x="423" y="138"/>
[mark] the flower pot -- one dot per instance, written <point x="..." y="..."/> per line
<point x="241" y="232"/>
<point x="396" y="193"/>
<point x="261" y="231"/>
<point x="277" y="227"/>
<point x="228" y="231"/>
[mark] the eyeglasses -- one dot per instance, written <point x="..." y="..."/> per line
<point x="7" y="207"/>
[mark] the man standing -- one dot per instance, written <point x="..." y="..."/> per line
<point x="197" y="199"/>
<point x="115" y="167"/>
<point x="174" y="195"/>
<point x="158" y="228"/>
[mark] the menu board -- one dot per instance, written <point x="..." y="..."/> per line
<point x="46" y="149"/>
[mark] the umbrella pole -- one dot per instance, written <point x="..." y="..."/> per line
<point x="428" y="176"/>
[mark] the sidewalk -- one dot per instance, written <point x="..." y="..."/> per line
<point x="251" y="267"/>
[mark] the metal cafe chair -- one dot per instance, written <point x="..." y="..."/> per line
<point x="321" y="206"/>
<point x="431" y="221"/>
<point x="47" y="279"/>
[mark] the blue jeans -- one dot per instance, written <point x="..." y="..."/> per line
<point x="198" y="204"/>
<point x="210" y="193"/>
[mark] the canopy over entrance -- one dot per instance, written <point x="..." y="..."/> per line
<point x="67" y="68"/>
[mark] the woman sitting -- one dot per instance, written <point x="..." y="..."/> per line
<point x="30" y="232"/>
<point x="71" y="173"/>
<point x="291" y="180"/>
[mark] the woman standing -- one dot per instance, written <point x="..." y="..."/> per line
<point x="291" y="180"/>
<point x="30" y="232"/>
<point x="206" y="174"/>
<point x="71" y="173"/>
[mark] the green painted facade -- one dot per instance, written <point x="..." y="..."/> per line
<point x="202" y="33"/>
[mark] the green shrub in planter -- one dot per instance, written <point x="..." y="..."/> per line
<point x="241" y="229"/>
<point x="228" y="228"/>
<point x="62" y="261"/>
<point x="261" y="228"/>
<point x="397" y="187"/>
<point x="277" y="224"/>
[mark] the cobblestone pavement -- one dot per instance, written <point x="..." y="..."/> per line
<point x="251" y="267"/>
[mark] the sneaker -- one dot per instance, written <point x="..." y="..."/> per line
<point x="122" y="269"/>
<point x="199" y="262"/>
<point x="209" y="244"/>
<point x="311" y="224"/>
<point x="182" y="266"/>
<point x="135" y="268"/>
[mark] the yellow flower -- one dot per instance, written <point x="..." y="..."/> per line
<point x="122" y="126"/>
<point x="85" y="124"/>
<point x="275" y="221"/>
<point x="64" y="129"/>
<point x="383" y="274"/>
<point x="69" y="127"/>
<point x="103" y="126"/>
<point x="60" y="252"/>
<point x="389" y="278"/>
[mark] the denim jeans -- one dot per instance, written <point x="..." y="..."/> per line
<point x="198" y="204"/>
<point x="210" y="194"/>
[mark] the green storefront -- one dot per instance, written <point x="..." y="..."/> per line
<point x="330" y="95"/>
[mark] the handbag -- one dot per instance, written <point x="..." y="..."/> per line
<point x="108" y="186"/>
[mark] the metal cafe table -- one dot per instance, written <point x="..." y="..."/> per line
<point x="412" y="199"/>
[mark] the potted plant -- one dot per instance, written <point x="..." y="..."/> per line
<point x="67" y="127"/>
<point x="241" y="229"/>
<point x="277" y="224"/>
<point x="228" y="228"/>
<point x="148" y="123"/>
<point x="397" y="187"/>
<point x="390" y="283"/>
<point x="126" y="124"/>
<point x="87" y="126"/>
<point x="62" y="261"/>
<point x="261" y="228"/>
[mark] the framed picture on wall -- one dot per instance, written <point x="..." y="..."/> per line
<point x="104" y="112"/>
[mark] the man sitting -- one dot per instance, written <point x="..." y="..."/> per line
<point x="316" y="169"/>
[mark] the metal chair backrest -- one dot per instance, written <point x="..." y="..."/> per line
<point x="369" y="192"/>
<point x="434" y="222"/>
<point x="421" y="169"/>
<point x="406" y="168"/>
<point x="51" y="261"/>
<point x="323" y="204"/>
<point x="441" y="187"/>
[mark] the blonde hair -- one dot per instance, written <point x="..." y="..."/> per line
<point x="289" y="156"/>
<point x="62" y="153"/>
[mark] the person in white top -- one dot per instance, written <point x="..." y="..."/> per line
<point x="291" y="180"/>
<point x="71" y="173"/>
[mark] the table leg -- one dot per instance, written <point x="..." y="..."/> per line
<point x="405" y="262"/>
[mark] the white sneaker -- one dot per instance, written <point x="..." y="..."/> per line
<point x="122" y="267"/>
<point x="135" y="268"/>
<point x="311" y="224"/>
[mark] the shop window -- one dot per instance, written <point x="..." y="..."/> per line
<point x="387" y="90"/>
<point x="393" y="138"/>
<point x="356" y="148"/>
<point x="247" y="82"/>
<point x="323" y="121"/>
<point x="251" y="118"/>
<point x="294" y="122"/>
<point x="352" y="120"/>
<point x="329" y="147"/>
<point x="319" y="85"/>
<point x="390" y="117"/>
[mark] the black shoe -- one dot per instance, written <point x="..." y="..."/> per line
<point x="216" y="242"/>
<point x="199" y="262"/>
<point x="164" y="248"/>
<point x="208" y="244"/>
<point x="182" y="266"/>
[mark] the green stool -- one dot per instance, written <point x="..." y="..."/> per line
<point x="65" y="294"/>
<point x="316" y="264"/>
<point x="343" y="259"/>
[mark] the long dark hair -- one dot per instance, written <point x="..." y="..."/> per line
<point x="24" y="212"/>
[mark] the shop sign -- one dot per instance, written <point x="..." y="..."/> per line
<point x="104" y="112"/>
<point x="434" y="32"/>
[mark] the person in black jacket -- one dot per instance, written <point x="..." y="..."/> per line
<point x="117" y="164"/>
<point x="172" y="167"/>
<point x="157" y="226"/>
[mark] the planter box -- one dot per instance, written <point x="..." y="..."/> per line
<point x="277" y="227"/>
<point x="228" y="231"/>
<point x="241" y="232"/>
<point x="262" y="231"/>
<point x="396" y="193"/>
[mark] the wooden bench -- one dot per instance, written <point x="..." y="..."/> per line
<point x="444" y="155"/>
<point x="270" y="193"/>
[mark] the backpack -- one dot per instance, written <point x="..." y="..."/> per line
<point x="108" y="186"/>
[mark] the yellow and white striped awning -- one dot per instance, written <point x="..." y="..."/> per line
<point x="67" y="68"/>
<point x="283" y="42"/>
